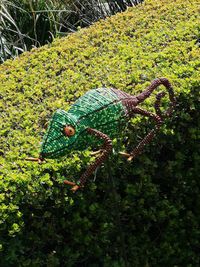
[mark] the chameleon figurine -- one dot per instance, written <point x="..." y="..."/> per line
<point x="97" y="117"/>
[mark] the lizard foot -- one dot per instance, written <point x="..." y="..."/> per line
<point x="130" y="158"/>
<point x="74" y="188"/>
<point x="39" y="160"/>
<point x="94" y="153"/>
<point x="124" y="154"/>
<point x="127" y="155"/>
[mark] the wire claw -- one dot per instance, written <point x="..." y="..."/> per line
<point x="95" y="153"/>
<point x="130" y="158"/>
<point x="31" y="159"/>
<point x="124" y="154"/>
<point x="75" y="188"/>
<point x="69" y="183"/>
<point x="39" y="160"/>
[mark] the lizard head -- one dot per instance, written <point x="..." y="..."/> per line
<point x="60" y="135"/>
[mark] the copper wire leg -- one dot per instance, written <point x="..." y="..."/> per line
<point x="147" y="139"/>
<point x="107" y="147"/>
<point x="132" y="109"/>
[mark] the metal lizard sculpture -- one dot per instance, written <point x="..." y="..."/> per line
<point x="99" y="115"/>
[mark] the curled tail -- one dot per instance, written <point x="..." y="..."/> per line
<point x="146" y="93"/>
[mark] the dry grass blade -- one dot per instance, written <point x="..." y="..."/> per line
<point x="27" y="24"/>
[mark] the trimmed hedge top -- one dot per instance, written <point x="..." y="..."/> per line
<point x="41" y="222"/>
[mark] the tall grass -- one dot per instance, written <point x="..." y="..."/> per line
<point x="31" y="23"/>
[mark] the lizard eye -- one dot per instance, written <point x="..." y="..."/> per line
<point x="69" y="131"/>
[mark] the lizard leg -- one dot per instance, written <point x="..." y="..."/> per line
<point x="107" y="147"/>
<point x="147" y="139"/>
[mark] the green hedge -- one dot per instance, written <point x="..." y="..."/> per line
<point x="141" y="214"/>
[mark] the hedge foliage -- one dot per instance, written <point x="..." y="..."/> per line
<point x="141" y="214"/>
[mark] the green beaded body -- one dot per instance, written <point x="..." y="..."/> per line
<point x="101" y="109"/>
